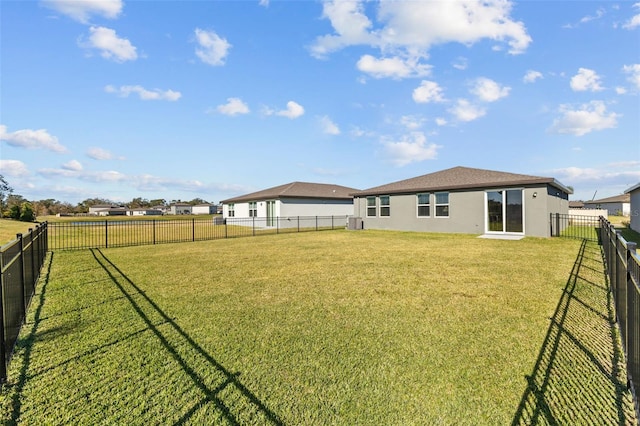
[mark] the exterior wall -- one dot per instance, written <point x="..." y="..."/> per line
<point x="589" y="212"/>
<point x="314" y="207"/>
<point x="203" y="209"/>
<point x="614" y="209"/>
<point x="634" y="210"/>
<point x="466" y="212"/>
<point x="294" y="207"/>
<point x="180" y="209"/>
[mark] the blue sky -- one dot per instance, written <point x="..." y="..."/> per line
<point x="213" y="99"/>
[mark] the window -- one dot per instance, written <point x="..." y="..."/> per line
<point x="232" y="212"/>
<point x="424" y="209"/>
<point x="253" y="209"/>
<point x="371" y="206"/>
<point x="385" y="208"/>
<point x="442" y="204"/>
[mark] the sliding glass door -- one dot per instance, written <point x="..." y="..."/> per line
<point x="504" y="211"/>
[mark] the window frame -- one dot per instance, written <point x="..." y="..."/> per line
<point x="427" y="204"/>
<point x="373" y="207"/>
<point x="253" y="208"/>
<point x="386" y="207"/>
<point x="231" y="210"/>
<point x="447" y="205"/>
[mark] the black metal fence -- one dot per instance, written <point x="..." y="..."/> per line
<point x="120" y="233"/>
<point x="573" y="226"/>
<point x="20" y="263"/>
<point x="623" y="270"/>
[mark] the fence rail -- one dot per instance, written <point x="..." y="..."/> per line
<point x="20" y="263"/>
<point x="121" y="233"/>
<point x="622" y="266"/>
<point x="574" y="226"/>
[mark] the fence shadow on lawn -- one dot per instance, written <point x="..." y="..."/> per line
<point x="211" y="394"/>
<point x="579" y="376"/>
<point x="27" y="344"/>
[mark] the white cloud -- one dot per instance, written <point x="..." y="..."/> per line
<point x="109" y="44"/>
<point x="213" y="49"/>
<point x="488" y="90"/>
<point x="234" y="106"/>
<point x="412" y="148"/>
<point x="81" y="11"/>
<point x="14" y="168"/>
<point x="73" y="165"/>
<point x="634" y="21"/>
<point x="411" y="28"/>
<point x="620" y="90"/>
<point x="101" y="154"/>
<point x="428" y="91"/>
<point x="586" y="80"/>
<point x="88" y="176"/>
<point x="441" y="121"/>
<point x="531" y="76"/>
<point x="460" y="64"/>
<point x="144" y="94"/>
<point x="599" y="14"/>
<point x="294" y="110"/>
<point x="350" y="24"/>
<point x="392" y="67"/>
<point x="412" y="122"/>
<point x="585" y="119"/>
<point x="31" y="139"/>
<point x="328" y="126"/>
<point x="634" y="74"/>
<point x="465" y="111"/>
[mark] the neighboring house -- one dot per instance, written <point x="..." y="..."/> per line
<point x="107" y="210"/>
<point x="291" y="199"/>
<point x="144" y="212"/>
<point x="576" y="204"/>
<point x="465" y="200"/>
<point x="204" y="209"/>
<point x="180" y="208"/>
<point x="634" y="206"/>
<point x="620" y="205"/>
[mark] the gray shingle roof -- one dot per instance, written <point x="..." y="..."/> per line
<point x="297" y="190"/>
<point x="624" y="198"/>
<point x="459" y="178"/>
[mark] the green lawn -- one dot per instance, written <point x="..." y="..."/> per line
<point x="9" y="228"/>
<point x="322" y="328"/>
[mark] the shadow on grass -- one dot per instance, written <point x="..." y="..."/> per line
<point x="211" y="394"/>
<point x="26" y="346"/>
<point x="579" y="376"/>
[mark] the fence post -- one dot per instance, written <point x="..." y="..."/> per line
<point x="106" y="233"/>
<point x="3" y="351"/>
<point x="298" y="223"/>
<point x="22" y="298"/>
<point x="633" y="336"/>
<point x="154" y="231"/>
<point x="253" y="226"/>
<point x="193" y="229"/>
<point x="316" y="223"/>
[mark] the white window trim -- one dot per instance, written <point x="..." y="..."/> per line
<point x="436" y="205"/>
<point x="375" y="207"/>
<point x="428" y="194"/>
<point x="380" y="206"/>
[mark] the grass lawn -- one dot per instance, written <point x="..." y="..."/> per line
<point x="9" y="228"/>
<point x="366" y="327"/>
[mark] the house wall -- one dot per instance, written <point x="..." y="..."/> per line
<point x="466" y="212"/>
<point x="294" y="207"/>
<point x="203" y="209"/>
<point x="315" y="207"/>
<point x="634" y="210"/>
<point x="614" y="209"/>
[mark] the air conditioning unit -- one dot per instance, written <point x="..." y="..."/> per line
<point x="355" y="223"/>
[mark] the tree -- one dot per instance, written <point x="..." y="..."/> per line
<point x="5" y="191"/>
<point x="26" y="213"/>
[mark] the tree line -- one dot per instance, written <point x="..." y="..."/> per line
<point x="17" y="207"/>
